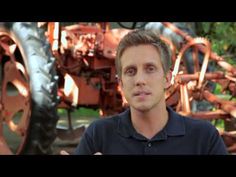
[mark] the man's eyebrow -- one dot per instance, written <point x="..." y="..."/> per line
<point x="151" y="63"/>
<point x="129" y="66"/>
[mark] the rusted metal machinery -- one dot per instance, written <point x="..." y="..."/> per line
<point x="28" y="99"/>
<point x="188" y="88"/>
<point x="74" y="66"/>
<point x="66" y="67"/>
<point x="85" y="62"/>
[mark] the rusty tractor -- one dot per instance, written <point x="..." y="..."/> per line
<point x="46" y="66"/>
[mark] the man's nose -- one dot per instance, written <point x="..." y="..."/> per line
<point x="140" y="79"/>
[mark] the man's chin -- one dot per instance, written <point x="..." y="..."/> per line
<point x="142" y="108"/>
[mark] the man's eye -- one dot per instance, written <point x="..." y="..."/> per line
<point x="151" y="68"/>
<point x="130" y="71"/>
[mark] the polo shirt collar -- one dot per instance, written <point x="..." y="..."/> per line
<point x="125" y="127"/>
<point x="174" y="127"/>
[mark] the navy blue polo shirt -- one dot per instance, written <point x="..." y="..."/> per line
<point x="181" y="135"/>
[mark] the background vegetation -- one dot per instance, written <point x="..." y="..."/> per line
<point x="222" y="36"/>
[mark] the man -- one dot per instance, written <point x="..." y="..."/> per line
<point x="148" y="126"/>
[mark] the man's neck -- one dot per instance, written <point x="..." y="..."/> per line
<point x="151" y="122"/>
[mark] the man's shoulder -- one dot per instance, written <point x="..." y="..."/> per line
<point x="104" y="123"/>
<point x="198" y="124"/>
<point x="189" y="122"/>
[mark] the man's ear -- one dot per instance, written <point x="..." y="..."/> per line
<point x="168" y="77"/>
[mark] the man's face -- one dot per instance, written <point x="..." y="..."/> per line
<point x="142" y="77"/>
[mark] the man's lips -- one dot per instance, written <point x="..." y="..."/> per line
<point x="141" y="93"/>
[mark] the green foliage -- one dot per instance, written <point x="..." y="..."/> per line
<point x="80" y="112"/>
<point x="218" y="89"/>
<point x="232" y="61"/>
<point x="219" y="123"/>
<point x="222" y="36"/>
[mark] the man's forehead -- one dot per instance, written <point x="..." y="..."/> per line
<point x="143" y="63"/>
<point x="151" y="60"/>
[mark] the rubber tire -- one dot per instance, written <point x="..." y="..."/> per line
<point x="39" y="62"/>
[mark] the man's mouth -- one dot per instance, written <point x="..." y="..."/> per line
<point x="141" y="93"/>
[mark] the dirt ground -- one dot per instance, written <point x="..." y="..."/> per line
<point x="68" y="146"/>
<point x="68" y="140"/>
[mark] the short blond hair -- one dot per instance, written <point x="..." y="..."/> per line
<point x="143" y="37"/>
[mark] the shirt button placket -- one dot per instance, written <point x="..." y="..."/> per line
<point x="149" y="145"/>
<point x="148" y="148"/>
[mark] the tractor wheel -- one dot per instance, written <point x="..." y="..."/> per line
<point x="28" y="93"/>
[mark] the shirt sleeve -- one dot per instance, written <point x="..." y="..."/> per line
<point x="217" y="145"/>
<point x="88" y="142"/>
<point x="85" y="146"/>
